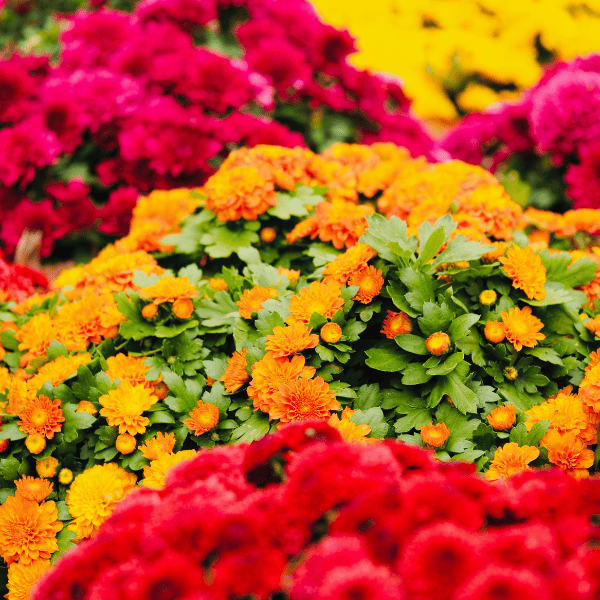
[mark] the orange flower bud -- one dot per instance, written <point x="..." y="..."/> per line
<point x="435" y="436"/>
<point x="126" y="443"/>
<point x="150" y="312"/>
<point x="210" y="380"/>
<point x="503" y="417"/>
<point x="86" y="406"/>
<point x="217" y="284"/>
<point x="35" y="443"/>
<point x="331" y="333"/>
<point x="160" y="390"/>
<point x="395" y="324"/>
<point x="494" y="332"/>
<point x="438" y="343"/>
<point x="46" y="468"/>
<point x="267" y="234"/>
<point x="3" y="446"/>
<point x="183" y="308"/>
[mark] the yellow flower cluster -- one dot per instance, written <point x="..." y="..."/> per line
<point x="475" y="52"/>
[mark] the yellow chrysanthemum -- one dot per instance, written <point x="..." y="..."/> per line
<point x="235" y="374"/>
<point x="160" y="444"/>
<point x="351" y="432"/>
<point x="93" y="495"/>
<point x="5" y="379"/>
<point x="57" y="371"/>
<point x="33" y="488"/>
<point x="252" y="300"/>
<point x="169" y="289"/>
<point x="28" y="530"/>
<point x="522" y="328"/>
<point x="564" y="411"/>
<point x="526" y="270"/>
<point x="156" y="473"/>
<point x="123" y="407"/>
<point x="42" y="416"/>
<point x="509" y="460"/>
<point x="319" y="297"/>
<point x="22" y="578"/>
<point x="35" y="335"/>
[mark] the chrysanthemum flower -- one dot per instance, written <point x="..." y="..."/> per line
<point x="503" y="417"/>
<point x="183" y="308"/>
<point x="203" y="418"/>
<point x="28" y="530"/>
<point x="35" y="335"/>
<point x="235" y="375"/>
<point x="128" y="368"/>
<point x="369" y="282"/>
<point x="93" y="495"/>
<point x="568" y="451"/>
<point x="169" y="289"/>
<point x="5" y="379"/>
<point x="522" y="328"/>
<point x="494" y="332"/>
<point x="33" y="488"/>
<point x="564" y="411"/>
<point x="292" y="275"/>
<point x="156" y="473"/>
<point x="218" y="284"/>
<point x="270" y="373"/>
<point x="352" y="260"/>
<point x="125" y="443"/>
<point x="42" y="416"/>
<point x="123" y="407"/>
<point x="396" y="323"/>
<point x="252" y="300"/>
<point x="57" y="371"/>
<point x="438" y="343"/>
<point x="18" y="395"/>
<point x="526" y="270"/>
<point x="435" y="436"/>
<point x="331" y="333"/>
<point x="268" y="234"/>
<point x="289" y="340"/>
<point x="239" y="193"/>
<point x="35" y="443"/>
<point x="161" y="443"/>
<point x="22" y="578"/>
<point x="303" y="399"/>
<point x="351" y="432"/>
<point x="46" y="467"/>
<point x="321" y="298"/>
<point x="509" y="460"/>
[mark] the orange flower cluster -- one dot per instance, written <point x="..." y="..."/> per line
<point x="320" y="297"/>
<point x="522" y="328"/>
<point x="510" y="460"/>
<point x="341" y="269"/>
<point x="252" y="300"/>
<point x="526" y="270"/>
<point x="565" y="225"/>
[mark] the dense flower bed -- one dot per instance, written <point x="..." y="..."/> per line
<point x="460" y="56"/>
<point x="385" y="295"/>
<point x="303" y="515"/>
<point x="547" y="142"/>
<point x="156" y="99"/>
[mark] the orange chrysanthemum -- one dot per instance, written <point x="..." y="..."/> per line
<point x="270" y="373"/>
<point x="123" y="407"/>
<point x="94" y="494"/>
<point x="369" y="282"/>
<point x="321" y="298"/>
<point x="253" y="299"/>
<point x="128" y="368"/>
<point x="435" y="436"/>
<point x="160" y="444"/>
<point x="395" y="324"/>
<point x="5" y="379"/>
<point x="331" y="333"/>
<point x="235" y="375"/>
<point x="567" y="451"/>
<point x="239" y="193"/>
<point x="526" y="270"/>
<point x="203" y="418"/>
<point x="342" y="268"/>
<point x="494" y="332"/>
<point x="289" y="340"/>
<point x="438" y="343"/>
<point x="28" y="530"/>
<point x="509" y="460"/>
<point x="522" y="328"/>
<point x="564" y="411"/>
<point x="593" y="325"/>
<point x="57" y="371"/>
<point x="292" y="275"/>
<point x="169" y="289"/>
<point x="35" y="335"/>
<point x="34" y="488"/>
<point x="218" y="284"/>
<point x="155" y="474"/>
<point x="18" y="395"/>
<point x="22" y="578"/>
<point x="503" y="417"/>
<point x="303" y="399"/>
<point x="351" y="432"/>
<point x="42" y="416"/>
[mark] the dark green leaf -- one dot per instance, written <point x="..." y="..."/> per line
<point x="537" y="432"/>
<point x="415" y="374"/>
<point x="254" y="428"/>
<point x="435" y="318"/>
<point x="374" y="418"/>
<point x="461" y="326"/>
<point x="368" y="396"/>
<point x="420" y="287"/>
<point x="519" y="435"/>
<point x="11" y="431"/>
<point x="412" y="343"/>
<point x="448" y="365"/>
<point x="386" y="357"/>
<point x="75" y="421"/>
<point x="397" y="294"/>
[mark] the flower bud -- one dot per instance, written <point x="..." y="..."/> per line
<point x="438" y="343"/>
<point x="126" y="443"/>
<point x="511" y="373"/>
<point x="396" y="323"/>
<point x="182" y="308"/>
<point x="35" y="443"/>
<point x="150" y="312"/>
<point x="46" y="468"/>
<point x="494" y="332"/>
<point x="267" y="234"/>
<point x="65" y="476"/>
<point x="488" y="297"/>
<point x="435" y="436"/>
<point x="331" y="333"/>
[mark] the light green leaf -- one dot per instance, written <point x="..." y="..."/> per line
<point x="461" y="326"/>
<point x="289" y="206"/>
<point x="459" y="250"/>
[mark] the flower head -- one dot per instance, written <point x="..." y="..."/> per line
<point x="252" y="300"/>
<point x="509" y="460"/>
<point x="156" y="473"/>
<point x="303" y="399"/>
<point x="522" y="328"/>
<point x="526" y="270"/>
<point x="435" y="436"/>
<point x="46" y="467"/>
<point x="57" y="371"/>
<point x="42" y="416"/>
<point x="33" y="488"/>
<point x="438" y="343"/>
<point x="218" y="284"/>
<point x="128" y="368"/>
<point x="321" y="298"/>
<point x="65" y="476"/>
<point x="235" y="375"/>
<point x="125" y="443"/>
<point x="35" y="443"/>
<point x="183" y="308"/>
<point x="28" y="530"/>
<point x="396" y="323"/>
<point x="369" y="282"/>
<point x="488" y="297"/>
<point x="289" y="340"/>
<point x="346" y="264"/>
<point x="569" y="452"/>
<point x="494" y="332"/>
<point x="203" y="418"/>
<point x="161" y="443"/>
<point x="169" y="289"/>
<point x="331" y="333"/>
<point x="351" y="432"/>
<point x="22" y="577"/>
<point x="123" y="407"/>
<point x="503" y="417"/>
<point x="93" y="495"/>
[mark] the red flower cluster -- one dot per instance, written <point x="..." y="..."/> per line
<point x="136" y="104"/>
<point x="17" y="282"/>
<point x="306" y="515"/>
<point x="560" y="116"/>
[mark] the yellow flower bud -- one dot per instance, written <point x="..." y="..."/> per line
<point x="511" y="373"/>
<point x="46" y="468"/>
<point x="65" y="476"/>
<point x="438" y="343"/>
<point x="331" y="333"/>
<point x="267" y="234"/>
<point x="488" y="297"/>
<point x="126" y="443"/>
<point x="35" y="443"/>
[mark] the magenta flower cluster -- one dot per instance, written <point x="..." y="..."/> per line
<point x="558" y="117"/>
<point x="145" y="100"/>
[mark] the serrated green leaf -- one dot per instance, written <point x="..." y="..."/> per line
<point x="9" y="340"/>
<point x="382" y="232"/>
<point x="352" y="329"/>
<point x="256" y="427"/>
<point x="161" y="416"/>
<point x="420" y="287"/>
<point x="459" y="250"/>
<point x="221" y="241"/>
<point x="448" y="365"/>
<point x="63" y="511"/>
<point x="519" y="435"/>
<point x="461" y="428"/>
<point x="412" y="343"/>
<point x="342" y="389"/>
<point x="386" y="357"/>
<point x="368" y="396"/>
<point x="397" y="294"/>
<point x="288" y="206"/>
<point x="74" y="422"/>
<point x="537" y="432"/>
<point x="216" y="395"/>
<point x="581" y="272"/>
<point x="9" y="468"/>
<point x="64" y="540"/>
<point x="413" y="420"/>
<point x="374" y="418"/>
<point x="11" y="431"/>
<point x="431" y="238"/>
<point x="461" y="326"/>
<point x="415" y="374"/>
<point x="436" y="317"/>
<point x="545" y="354"/>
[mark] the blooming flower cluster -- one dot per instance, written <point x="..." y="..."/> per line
<point x="155" y="99"/>
<point x="547" y="138"/>
<point x="304" y="515"/>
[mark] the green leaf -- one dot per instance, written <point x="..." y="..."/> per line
<point x="545" y="354"/>
<point x="63" y="511"/>
<point x="420" y="286"/>
<point x="288" y="206"/>
<point x="459" y="250"/>
<point x="429" y="244"/>
<point x="435" y="318"/>
<point x="385" y="356"/>
<point x="75" y="421"/>
<point x="521" y="400"/>
<point x="556" y="293"/>
<point x="413" y="420"/>
<point x="448" y="365"/>
<point x="581" y="272"/>
<point x="537" y="432"/>
<point x="342" y="389"/>
<point x="256" y="427"/>
<point x="519" y="435"/>
<point x="374" y="418"/>
<point x="11" y="431"/>
<point x="9" y="468"/>
<point x="469" y="455"/>
<point x="412" y="343"/>
<point x="415" y="374"/>
<point x="368" y="396"/>
<point x="266" y="322"/>
<point x="187" y="241"/>
<point x="216" y="395"/>
<point x="9" y="340"/>
<point x="397" y="294"/>
<point x="221" y="241"/>
<point x="382" y="232"/>
<point x="215" y="367"/>
<point x="461" y="428"/>
<point x="463" y="398"/>
<point x="352" y="329"/>
<point x="471" y="344"/>
<point x="55" y="349"/>
<point x="192" y="272"/>
<point x="161" y="416"/>
<point x="461" y="326"/>
<point x="65" y="542"/>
